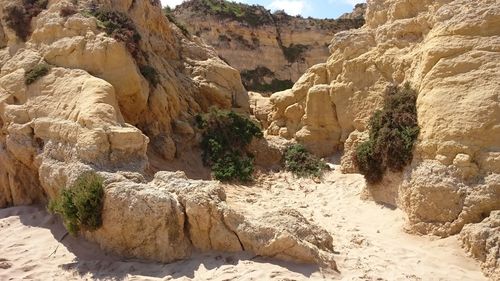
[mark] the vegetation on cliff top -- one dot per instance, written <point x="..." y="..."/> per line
<point x="392" y="134"/>
<point x="81" y="204"/>
<point x="252" y="15"/>
<point x="226" y="136"/>
<point x="168" y="13"/>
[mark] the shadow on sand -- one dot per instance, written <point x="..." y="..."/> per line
<point x="91" y="262"/>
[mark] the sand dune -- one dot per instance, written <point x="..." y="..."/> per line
<point x="369" y="240"/>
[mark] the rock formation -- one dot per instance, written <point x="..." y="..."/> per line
<point x="271" y="50"/>
<point x="482" y="241"/>
<point x="449" y="52"/>
<point x="96" y="86"/>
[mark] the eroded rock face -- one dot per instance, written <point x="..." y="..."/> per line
<point x="482" y="241"/>
<point x="89" y="106"/>
<point x="96" y="109"/>
<point x="270" y="50"/>
<point x="448" y="51"/>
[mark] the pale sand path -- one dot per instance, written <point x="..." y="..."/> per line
<point x="368" y="237"/>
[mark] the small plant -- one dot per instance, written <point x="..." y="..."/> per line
<point x="302" y="163"/>
<point x="119" y="26"/>
<point x="35" y="73"/>
<point x="392" y="134"/>
<point x="150" y="74"/>
<point x="81" y="204"/>
<point x="18" y="16"/>
<point x="226" y="136"/>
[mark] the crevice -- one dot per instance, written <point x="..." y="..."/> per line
<point x="186" y="223"/>
<point x="223" y="219"/>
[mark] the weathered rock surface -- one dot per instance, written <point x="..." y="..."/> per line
<point x="482" y="241"/>
<point x="449" y="52"/>
<point x="169" y="217"/>
<point x="96" y="109"/>
<point x="271" y="50"/>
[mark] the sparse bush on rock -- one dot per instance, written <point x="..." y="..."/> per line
<point x="18" y="16"/>
<point x="150" y="74"/>
<point x="119" y="26"/>
<point x="392" y="134"/>
<point x="302" y="163"/>
<point x="168" y="13"/>
<point x="81" y="204"/>
<point x="35" y="73"/>
<point x="226" y="136"/>
<point x="294" y="52"/>
<point x="67" y="11"/>
<point x="255" y="80"/>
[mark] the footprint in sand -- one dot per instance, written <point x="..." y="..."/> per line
<point x="5" y="264"/>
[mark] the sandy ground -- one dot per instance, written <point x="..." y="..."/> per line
<point x="368" y="238"/>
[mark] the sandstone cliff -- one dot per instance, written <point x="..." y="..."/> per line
<point x="96" y="86"/>
<point x="271" y="50"/>
<point x="449" y="52"/>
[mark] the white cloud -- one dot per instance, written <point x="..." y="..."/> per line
<point x="292" y="7"/>
<point x="171" y="3"/>
<point x="354" y="2"/>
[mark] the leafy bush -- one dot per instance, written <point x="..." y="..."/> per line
<point x="150" y="74"/>
<point x="392" y="134"/>
<point x="226" y="136"/>
<point x="119" y="26"/>
<point x="81" y="204"/>
<point x="35" y="73"/>
<point x="302" y="163"/>
<point x="18" y="16"/>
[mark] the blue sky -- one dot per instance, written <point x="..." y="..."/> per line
<point x="306" y="8"/>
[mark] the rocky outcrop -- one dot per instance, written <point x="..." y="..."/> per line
<point x="449" y="52"/>
<point x="482" y="241"/>
<point x="168" y="218"/>
<point x="96" y="104"/>
<point x="271" y="50"/>
<point x="79" y="94"/>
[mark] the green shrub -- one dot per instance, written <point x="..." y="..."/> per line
<point x="392" y="134"/>
<point x="119" y="26"/>
<point x="302" y="163"/>
<point x="150" y="74"/>
<point x="81" y="204"/>
<point x="226" y="136"/>
<point x="18" y="16"/>
<point x="35" y="73"/>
